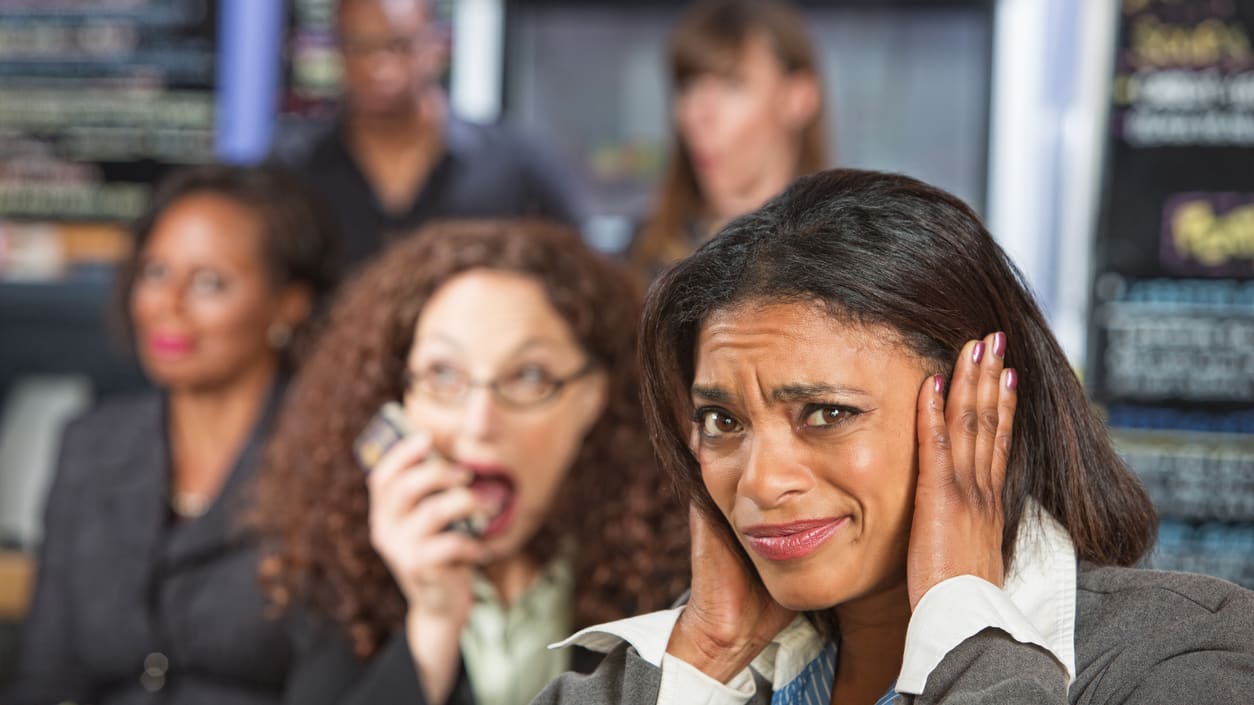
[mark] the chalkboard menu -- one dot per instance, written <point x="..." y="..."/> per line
<point x="97" y="98"/>
<point x="311" y="66"/>
<point x="1172" y="339"/>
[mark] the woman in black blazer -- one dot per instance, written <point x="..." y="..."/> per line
<point x="147" y="588"/>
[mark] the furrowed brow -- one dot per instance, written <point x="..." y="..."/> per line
<point x="717" y="395"/>
<point x="791" y="393"/>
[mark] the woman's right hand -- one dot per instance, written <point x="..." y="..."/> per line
<point x="730" y="617"/>
<point x="414" y="496"/>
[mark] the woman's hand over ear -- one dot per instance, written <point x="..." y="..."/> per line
<point x="964" y="447"/>
<point x="730" y="616"/>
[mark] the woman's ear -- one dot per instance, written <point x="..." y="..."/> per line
<point x="295" y="305"/>
<point x="802" y="98"/>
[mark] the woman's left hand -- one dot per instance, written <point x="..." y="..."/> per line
<point x="964" y="447"/>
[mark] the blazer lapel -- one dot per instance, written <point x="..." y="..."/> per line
<point x="222" y="526"/>
<point x="129" y="517"/>
<point x="584" y="660"/>
<point x="137" y="475"/>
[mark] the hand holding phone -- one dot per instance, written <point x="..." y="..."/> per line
<point x="385" y="429"/>
<point x="415" y="495"/>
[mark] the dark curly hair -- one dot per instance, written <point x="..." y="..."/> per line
<point x="630" y="533"/>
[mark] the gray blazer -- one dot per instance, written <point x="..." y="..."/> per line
<point x="1142" y="638"/>
<point x="132" y="607"/>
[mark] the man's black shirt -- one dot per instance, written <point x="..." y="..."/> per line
<point x="484" y="172"/>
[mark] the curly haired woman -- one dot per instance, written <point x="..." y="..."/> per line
<point x="512" y="348"/>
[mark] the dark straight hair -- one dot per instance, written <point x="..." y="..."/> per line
<point x="887" y="250"/>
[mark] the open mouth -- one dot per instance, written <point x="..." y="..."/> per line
<point x="495" y="491"/>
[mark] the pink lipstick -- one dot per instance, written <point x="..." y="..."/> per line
<point x="166" y="345"/>
<point x="782" y="542"/>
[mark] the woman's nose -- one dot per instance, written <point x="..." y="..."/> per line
<point x="698" y="110"/>
<point x="775" y="472"/>
<point x="481" y="412"/>
<point x="705" y="111"/>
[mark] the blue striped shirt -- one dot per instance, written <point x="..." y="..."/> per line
<point x="813" y="685"/>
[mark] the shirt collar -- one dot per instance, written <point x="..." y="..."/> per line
<point x="1041" y="583"/>
<point x="459" y="140"/>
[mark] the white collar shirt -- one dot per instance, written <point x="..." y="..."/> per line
<point x="1035" y="606"/>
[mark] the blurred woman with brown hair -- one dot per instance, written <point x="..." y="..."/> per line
<point x="512" y="348"/>
<point x="749" y="118"/>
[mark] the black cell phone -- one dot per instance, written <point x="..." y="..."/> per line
<point x="386" y="428"/>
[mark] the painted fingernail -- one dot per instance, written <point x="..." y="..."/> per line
<point x="977" y="353"/>
<point x="938" y="383"/>
<point x="1012" y="378"/>
<point x="999" y="344"/>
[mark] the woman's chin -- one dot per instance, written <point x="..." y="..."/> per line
<point x="508" y="541"/>
<point x="803" y="598"/>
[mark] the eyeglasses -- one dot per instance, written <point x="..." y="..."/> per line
<point x="527" y="387"/>
<point x="364" y="48"/>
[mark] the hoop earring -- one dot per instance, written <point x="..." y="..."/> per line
<point x="278" y="335"/>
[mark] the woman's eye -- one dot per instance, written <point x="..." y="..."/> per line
<point x="442" y="373"/>
<point x="826" y="416"/>
<point x="208" y="282"/>
<point x="152" y="272"/>
<point x="717" y="423"/>
<point x="528" y="385"/>
<point x="532" y="375"/>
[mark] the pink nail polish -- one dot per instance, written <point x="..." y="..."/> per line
<point x="938" y="383"/>
<point x="1012" y="378"/>
<point x="977" y="352"/>
<point x="999" y="344"/>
